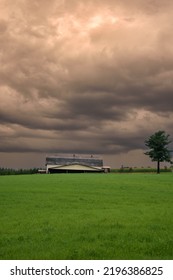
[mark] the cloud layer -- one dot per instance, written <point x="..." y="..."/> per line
<point x="84" y="76"/>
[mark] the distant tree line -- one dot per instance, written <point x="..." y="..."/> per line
<point x="11" y="171"/>
<point x="141" y="170"/>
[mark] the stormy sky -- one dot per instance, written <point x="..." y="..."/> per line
<point x="84" y="77"/>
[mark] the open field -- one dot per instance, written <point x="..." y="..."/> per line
<point x="86" y="216"/>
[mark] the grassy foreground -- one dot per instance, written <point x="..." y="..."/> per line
<point x="86" y="216"/>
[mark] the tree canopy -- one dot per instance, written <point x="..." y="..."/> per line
<point x="158" y="148"/>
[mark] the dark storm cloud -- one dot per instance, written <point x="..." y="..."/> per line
<point x="84" y="76"/>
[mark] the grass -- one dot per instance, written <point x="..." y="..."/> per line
<point x="86" y="216"/>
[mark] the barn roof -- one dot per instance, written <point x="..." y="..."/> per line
<point x="67" y="160"/>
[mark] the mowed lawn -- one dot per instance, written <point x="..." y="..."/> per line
<point x="86" y="216"/>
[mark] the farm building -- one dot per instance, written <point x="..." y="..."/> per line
<point x="74" y="164"/>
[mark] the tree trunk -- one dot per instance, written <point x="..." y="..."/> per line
<point x="158" y="167"/>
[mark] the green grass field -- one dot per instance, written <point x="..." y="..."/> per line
<point x="86" y="216"/>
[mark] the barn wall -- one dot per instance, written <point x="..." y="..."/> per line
<point x="73" y="171"/>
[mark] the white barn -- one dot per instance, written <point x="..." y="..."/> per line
<point x="74" y="164"/>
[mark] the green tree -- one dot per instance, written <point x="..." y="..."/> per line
<point x="158" y="148"/>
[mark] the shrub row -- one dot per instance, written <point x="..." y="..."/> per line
<point x="10" y="171"/>
<point x="139" y="170"/>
